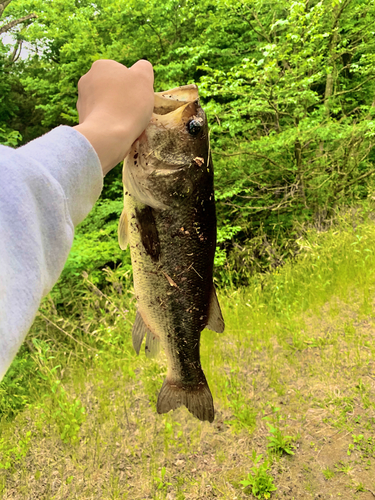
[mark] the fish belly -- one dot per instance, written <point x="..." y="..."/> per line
<point x="171" y="255"/>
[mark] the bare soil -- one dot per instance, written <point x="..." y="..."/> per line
<point x="322" y="380"/>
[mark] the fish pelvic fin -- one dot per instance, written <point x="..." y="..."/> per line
<point x="215" y="320"/>
<point x="152" y="347"/>
<point x="123" y="230"/>
<point x="138" y="332"/>
<point x="198" y="400"/>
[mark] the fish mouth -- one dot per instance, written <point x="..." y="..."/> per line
<point x="176" y="108"/>
<point x="167" y="144"/>
<point x="169" y="100"/>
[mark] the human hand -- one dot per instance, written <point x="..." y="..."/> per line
<point x="115" y="105"/>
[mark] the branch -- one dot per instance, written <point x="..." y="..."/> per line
<point x="281" y="167"/>
<point x="273" y="207"/>
<point x="337" y="18"/>
<point x="355" y="88"/>
<point x="66" y="333"/>
<point x="266" y="36"/>
<point x="157" y="34"/>
<point x="13" y="58"/>
<point x="256" y="31"/>
<point x="10" y="25"/>
<point x="3" y="6"/>
<point x="367" y="174"/>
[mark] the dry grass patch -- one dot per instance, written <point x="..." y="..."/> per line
<point x="320" y="392"/>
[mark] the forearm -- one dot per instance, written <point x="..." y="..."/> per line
<point x="111" y="144"/>
<point x="47" y="187"/>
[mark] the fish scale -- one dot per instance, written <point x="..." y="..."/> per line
<point x="169" y="222"/>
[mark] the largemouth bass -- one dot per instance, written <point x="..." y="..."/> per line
<point x="170" y="223"/>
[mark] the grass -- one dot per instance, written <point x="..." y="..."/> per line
<point x="293" y="381"/>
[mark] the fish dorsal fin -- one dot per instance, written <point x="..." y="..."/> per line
<point x="152" y="347"/>
<point x="138" y="332"/>
<point x="215" y="318"/>
<point x="123" y="231"/>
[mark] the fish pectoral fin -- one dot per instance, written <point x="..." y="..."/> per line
<point x="139" y="190"/>
<point x="123" y="230"/>
<point x="215" y="320"/>
<point x="138" y="332"/>
<point x="198" y="400"/>
<point x="152" y="347"/>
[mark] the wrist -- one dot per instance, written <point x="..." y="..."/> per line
<point x="110" y="142"/>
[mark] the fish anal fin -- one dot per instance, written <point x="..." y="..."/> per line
<point x="123" y="230"/>
<point x="152" y="347"/>
<point x="215" y="320"/>
<point x="198" y="400"/>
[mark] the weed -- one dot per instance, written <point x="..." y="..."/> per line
<point x="10" y="454"/>
<point x="359" y="487"/>
<point x="68" y="416"/>
<point x="84" y="331"/>
<point x="170" y="437"/>
<point x="328" y="473"/>
<point x="15" y="387"/>
<point x="258" y="481"/>
<point x="160" y="483"/>
<point x="244" y="413"/>
<point x="152" y="375"/>
<point x="364" y="445"/>
<point x="278" y="443"/>
<point x="346" y="468"/>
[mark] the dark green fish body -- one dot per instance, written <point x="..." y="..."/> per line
<point x="170" y="223"/>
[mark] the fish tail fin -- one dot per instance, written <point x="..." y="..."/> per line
<point x="198" y="400"/>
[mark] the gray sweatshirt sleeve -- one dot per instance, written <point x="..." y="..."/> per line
<point x="47" y="187"/>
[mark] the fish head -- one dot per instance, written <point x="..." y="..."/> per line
<point x="168" y="160"/>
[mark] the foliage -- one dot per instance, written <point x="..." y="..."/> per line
<point x="278" y="443"/>
<point x="240" y="406"/>
<point x="258" y="480"/>
<point x="161" y="484"/>
<point x="288" y="89"/>
<point x="365" y="445"/>
<point x="9" y="454"/>
<point x="67" y="415"/>
<point x="14" y="387"/>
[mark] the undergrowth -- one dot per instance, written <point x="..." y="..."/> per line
<point x="91" y="332"/>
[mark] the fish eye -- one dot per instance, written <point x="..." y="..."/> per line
<point x="194" y="127"/>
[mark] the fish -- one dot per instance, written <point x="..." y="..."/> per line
<point x="169" y="222"/>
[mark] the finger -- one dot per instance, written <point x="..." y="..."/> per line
<point x="144" y="68"/>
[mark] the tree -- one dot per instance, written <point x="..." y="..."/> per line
<point x="294" y="133"/>
<point x="288" y="88"/>
<point x="8" y="26"/>
<point x="8" y="106"/>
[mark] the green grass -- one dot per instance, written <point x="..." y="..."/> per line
<point x="292" y="379"/>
